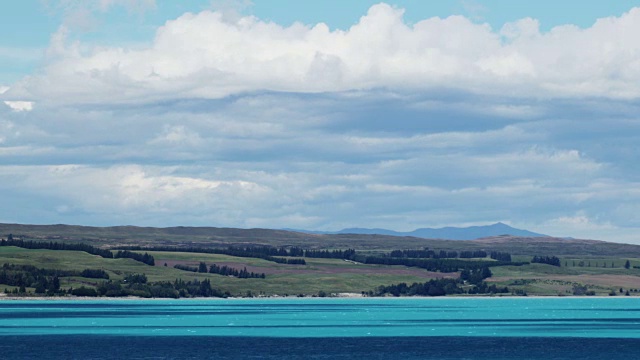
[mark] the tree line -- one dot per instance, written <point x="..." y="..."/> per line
<point x="94" y="274"/>
<point x="221" y="270"/>
<point x="260" y="252"/>
<point x="426" y="253"/>
<point x="107" y="254"/>
<point x="441" y="265"/>
<point x="279" y="255"/>
<point x="440" y="287"/>
<point x="10" y="241"/>
<point x="500" y="256"/>
<point x="434" y="287"/>
<point x="143" y="258"/>
<point x="269" y="253"/>
<point x="348" y="254"/>
<point x="549" y="260"/>
<point x="137" y="285"/>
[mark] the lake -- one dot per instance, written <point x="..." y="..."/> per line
<point x="308" y="328"/>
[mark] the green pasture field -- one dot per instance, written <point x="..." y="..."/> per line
<point x="543" y="279"/>
<point x="328" y="275"/>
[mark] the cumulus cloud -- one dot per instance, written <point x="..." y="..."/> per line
<point x="209" y="55"/>
<point x="129" y="189"/>
<point x="233" y="121"/>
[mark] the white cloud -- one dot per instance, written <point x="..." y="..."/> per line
<point x="526" y="28"/>
<point x="208" y="55"/>
<point x="15" y="105"/>
<point x="20" y="105"/>
<point x="511" y="64"/>
<point x="453" y="141"/>
<point x="132" y="188"/>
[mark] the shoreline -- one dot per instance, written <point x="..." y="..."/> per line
<point x="353" y="296"/>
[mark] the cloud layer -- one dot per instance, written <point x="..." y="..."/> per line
<point x="232" y="121"/>
<point x="211" y="55"/>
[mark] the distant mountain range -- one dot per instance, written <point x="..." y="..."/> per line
<point x="449" y="233"/>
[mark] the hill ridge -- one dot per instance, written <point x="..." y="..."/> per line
<point x="448" y="232"/>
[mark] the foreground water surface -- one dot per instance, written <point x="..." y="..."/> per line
<point x="441" y="328"/>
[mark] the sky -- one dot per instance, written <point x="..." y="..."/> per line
<point x="322" y="115"/>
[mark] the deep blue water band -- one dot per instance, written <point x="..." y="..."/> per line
<point x="205" y="347"/>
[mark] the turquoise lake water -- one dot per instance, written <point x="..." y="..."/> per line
<point x="306" y="323"/>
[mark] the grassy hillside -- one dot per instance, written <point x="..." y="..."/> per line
<point x="596" y="265"/>
<point x="221" y="237"/>
<point x="329" y="275"/>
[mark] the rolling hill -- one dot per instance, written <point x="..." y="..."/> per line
<point x="108" y="237"/>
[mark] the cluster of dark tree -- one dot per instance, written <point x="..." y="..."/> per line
<point x="475" y="275"/>
<point x="628" y="291"/>
<point x="259" y="252"/>
<point x="143" y="258"/>
<point x="431" y="254"/>
<point x="442" y="254"/>
<point x="22" y="276"/>
<point x="473" y="254"/>
<point x="222" y="270"/>
<point x="500" y="256"/>
<point x="135" y="279"/>
<point x="268" y="250"/>
<point x="300" y="252"/>
<point x="580" y="290"/>
<point x="582" y="263"/>
<point x="414" y="254"/>
<point x="185" y="268"/>
<point x="45" y="281"/>
<point x="549" y="260"/>
<point x="56" y="246"/>
<point x="438" y="287"/>
<point x="229" y="271"/>
<point x="294" y="261"/>
<point x="423" y="254"/>
<point x="441" y="265"/>
<point x="349" y="254"/>
<point x="94" y="274"/>
<point x="137" y="285"/>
